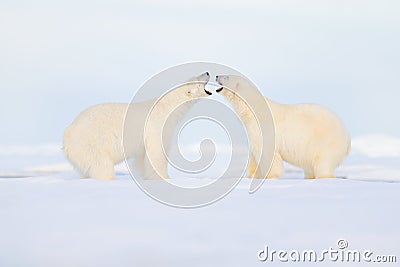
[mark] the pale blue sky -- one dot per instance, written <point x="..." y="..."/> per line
<point x="59" y="57"/>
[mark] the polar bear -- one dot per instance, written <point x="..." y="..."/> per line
<point x="94" y="142"/>
<point x="309" y="136"/>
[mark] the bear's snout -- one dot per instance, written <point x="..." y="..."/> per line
<point x="207" y="92"/>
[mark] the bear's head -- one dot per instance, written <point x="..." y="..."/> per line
<point x="231" y="85"/>
<point x="196" y="87"/>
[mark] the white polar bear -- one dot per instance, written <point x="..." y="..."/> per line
<point x="94" y="142"/>
<point x="306" y="135"/>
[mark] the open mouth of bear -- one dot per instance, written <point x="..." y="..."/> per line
<point x="219" y="89"/>
<point x="207" y="92"/>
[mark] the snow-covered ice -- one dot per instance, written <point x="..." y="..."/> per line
<point x="51" y="217"/>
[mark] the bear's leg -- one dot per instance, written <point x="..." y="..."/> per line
<point x="139" y="165"/>
<point x="309" y="174"/>
<point x="102" y="170"/>
<point x="323" y="169"/>
<point x="81" y="165"/>
<point x="157" y="168"/>
<point x="85" y="176"/>
<point x="252" y="167"/>
<point x="277" y="167"/>
<point x="83" y="170"/>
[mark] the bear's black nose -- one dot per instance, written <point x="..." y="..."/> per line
<point x="208" y="74"/>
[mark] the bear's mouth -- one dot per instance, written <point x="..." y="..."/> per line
<point x="219" y="89"/>
<point x="207" y="92"/>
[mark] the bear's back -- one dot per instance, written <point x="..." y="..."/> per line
<point x="99" y="129"/>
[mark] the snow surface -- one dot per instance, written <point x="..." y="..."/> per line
<point x="51" y="217"/>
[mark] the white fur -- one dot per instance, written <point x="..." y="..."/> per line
<point x="307" y="135"/>
<point x="93" y="143"/>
